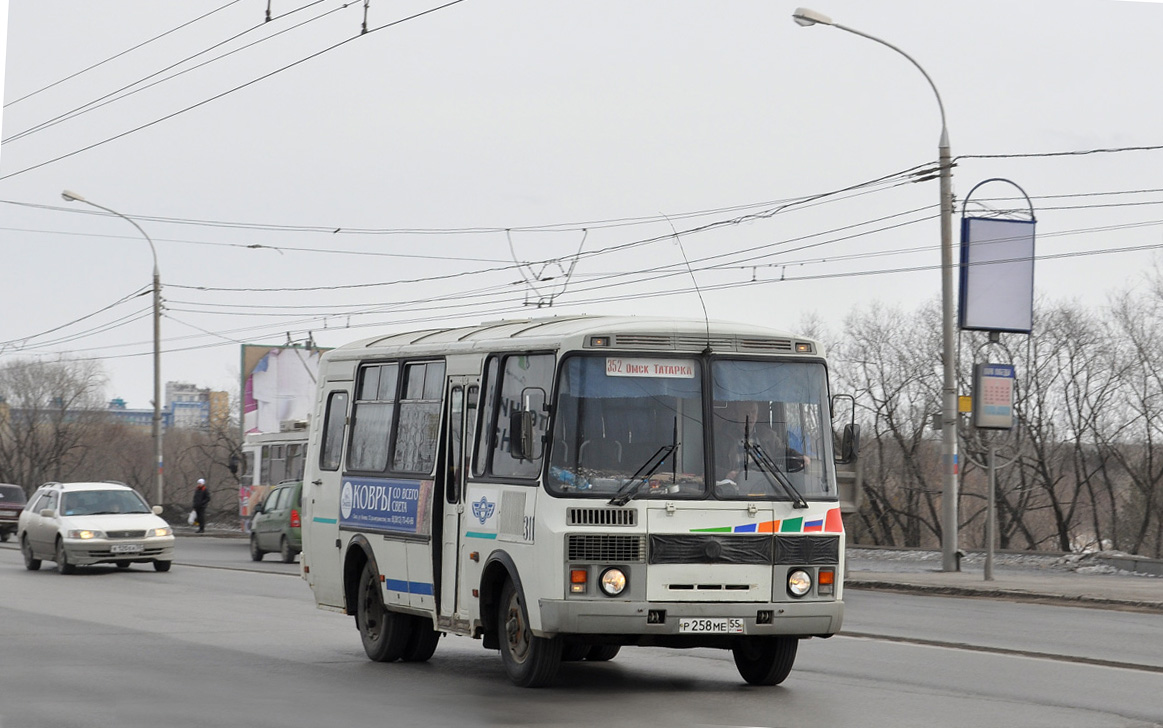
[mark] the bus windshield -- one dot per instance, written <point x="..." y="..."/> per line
<point x="620" y="419"/>
<point x="770" y="429"/>
<point x="628" y="426"/>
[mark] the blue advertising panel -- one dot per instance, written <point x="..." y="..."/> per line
<point x="386" y="504"/>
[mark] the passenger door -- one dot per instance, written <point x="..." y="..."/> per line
<point x="321" y="559"/>
<point x="460" y="414"/>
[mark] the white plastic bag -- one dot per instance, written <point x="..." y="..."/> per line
<point x="192" y="518"/>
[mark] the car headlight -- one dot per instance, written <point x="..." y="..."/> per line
<point x="799" y="583"/>
<point x="86" y="534"/>
<point x="167" y="531"/>
<point x="613" y="582"/>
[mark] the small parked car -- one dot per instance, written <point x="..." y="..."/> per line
<point x="11" y="505"/>
<point x="276" y="525"/>
<point x="79" y="524"/>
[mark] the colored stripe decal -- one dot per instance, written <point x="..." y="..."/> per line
<point x="833" y="523"/>
<point x="410" y="587"/>
<point x="477" y="534"/>
<point x="746" y="528"/>
<point x="792" y="525"/>
<point x="816" y="525"/>
<point x="724" y="529"/>
<point x="317" y="519"/>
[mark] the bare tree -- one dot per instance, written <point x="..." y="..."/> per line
<point x="49" y="412"/>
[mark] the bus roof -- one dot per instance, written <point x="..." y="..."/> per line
<point x="652" y="333"/>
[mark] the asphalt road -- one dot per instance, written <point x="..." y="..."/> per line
<point x="223" y="641"/>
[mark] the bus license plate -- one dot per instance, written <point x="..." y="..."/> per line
<point x="711" y="625"/>
<point x="126" y="548"/>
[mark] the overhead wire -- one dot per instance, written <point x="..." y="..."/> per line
<point x="105" y="100"/>
<point x="222" y="94"/>
<point x="118" y="55"/>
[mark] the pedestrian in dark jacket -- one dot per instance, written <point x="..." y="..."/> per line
<point x="201" y="500"/>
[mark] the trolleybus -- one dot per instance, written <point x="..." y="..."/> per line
<point x="562" y="488"/>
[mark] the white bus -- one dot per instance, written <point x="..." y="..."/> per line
<point x="268" y="459"/>
<point x="561" y="488"/>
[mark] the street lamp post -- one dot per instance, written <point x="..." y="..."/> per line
<point x="806" y="17"/>
<point x="157" y="357"/>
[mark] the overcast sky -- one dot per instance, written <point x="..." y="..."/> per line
<point x="296" y="176"/>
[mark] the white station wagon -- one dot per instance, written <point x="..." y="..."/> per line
<point x="78" y="524"/>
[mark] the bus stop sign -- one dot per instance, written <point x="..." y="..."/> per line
<point x="993" y="396"/>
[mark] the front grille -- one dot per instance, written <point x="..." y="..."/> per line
<point x="125" y="534"/>
<point x="605" y="548"/>
<point x="807" y="550"/>
<point x="601" y="517"/>
<point x="710" y="549"/>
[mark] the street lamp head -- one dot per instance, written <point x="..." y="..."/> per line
<point x="72" y="197"/>
<point x="807" y="16"/>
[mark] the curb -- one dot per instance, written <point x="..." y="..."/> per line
<point x="1081" y="600"/>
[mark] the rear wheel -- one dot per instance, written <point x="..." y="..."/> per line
<point x="162" y="565"/>
<point x="255" y="552"/>
<point x="603" y="653"/>
<point x="122" y="564"/>
<point x="30" y="562"/>
<point x="4" y="536"/>
<point x="285" y="551"/>
<point x="384" y="634"/>
<point x="765" y="660"/>
<point x="574" y="651"/>
<point x="422" y="642"/>
<point x="530" y="661"/>
<point x="62" y="559"/>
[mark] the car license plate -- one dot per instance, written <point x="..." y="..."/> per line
<point x="126" y="548"/>
<point x="711" y="625"/>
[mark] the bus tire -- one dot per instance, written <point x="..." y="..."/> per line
<point x="530" y="661"/>
<point x="765" y="660"/>
<point x="384" y="634"/>
<point x="603" y="653"/>
<point x="422" y="642"/>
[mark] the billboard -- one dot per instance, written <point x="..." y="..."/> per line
<point x="278" y="385"/>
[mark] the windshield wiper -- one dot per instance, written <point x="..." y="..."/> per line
<point x="627" y="492"/>
<point x="773" y="473"/>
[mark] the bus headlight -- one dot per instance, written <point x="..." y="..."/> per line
<point x="613" y="582"/>
<point x="799" y="583"/>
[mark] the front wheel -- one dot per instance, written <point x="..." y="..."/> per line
<point x="62" y="559"/>
<point x="162" y="565"/>
<point x="4" y="536"/>
<point x="30" y="562"/>
<point x="255" y="552"/>
<point x="530" y="661"/>
<point x="765" y="660"/>
<point x="384" y="634"/>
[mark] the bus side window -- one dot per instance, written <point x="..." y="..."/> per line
<point x="487" y="420"/>
<point x="523" y="374"/>
<point x="333" y="426"/>
<point x="418" y="423"/>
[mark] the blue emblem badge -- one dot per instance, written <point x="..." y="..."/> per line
<point x="483" y="509"/>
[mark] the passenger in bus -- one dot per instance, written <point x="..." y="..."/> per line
<point x="741" y="419"/>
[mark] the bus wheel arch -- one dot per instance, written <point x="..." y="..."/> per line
<point x="359" y="554"/>
<point x="498" y="569"/>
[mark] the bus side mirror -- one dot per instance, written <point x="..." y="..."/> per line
<point x="849" y="444"/>
<point x="521" y="434"/>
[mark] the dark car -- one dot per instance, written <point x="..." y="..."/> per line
<point x="12" y="502"/>
<point x="276" y="524"/>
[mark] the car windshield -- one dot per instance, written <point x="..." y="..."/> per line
<point x="99" y="502"/>
<point x="12" y="494"/>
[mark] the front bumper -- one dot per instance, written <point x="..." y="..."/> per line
<point x="84" y="552"/>
<point x="809" y="618"/>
